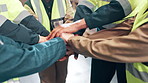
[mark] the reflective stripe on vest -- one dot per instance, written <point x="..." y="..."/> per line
<point x="40" y="11"/>
<point x="136" y="73"/>
<point x="14" y="80"/>
<point x="93" y="4"/>
<point x="125" y="4"/>
<point x="58" y="10"/>
<point x="3" y="19"/>
<point x="134" y="6"/>
<point x="142" y="17"/>
<point x="13" y="10"/>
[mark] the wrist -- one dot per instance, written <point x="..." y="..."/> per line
<point x="80" y="24"/>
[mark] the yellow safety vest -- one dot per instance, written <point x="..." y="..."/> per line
<point x="14" y="80"/>
<point x="138" y="72"/>
<point x="13" y="10"/>
<point x="135" y="72"/>
<point x="135" y="7"/>
<point x="58" y="10"/>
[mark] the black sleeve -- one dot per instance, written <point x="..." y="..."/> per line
<point x="104" y="15"/>
<point x="31" y="23"/>
<point x="81" y="12"/>
<point x="18" y="33"/>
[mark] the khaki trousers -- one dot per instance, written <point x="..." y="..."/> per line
<point x="56" y="73"/>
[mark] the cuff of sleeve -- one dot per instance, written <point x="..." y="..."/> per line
<point x="44" y="33"/>
<point x="89" y="22"/>
<point x="74" y="42"/>
<point x="36" y="40"/>
<point x="31" y="23"/>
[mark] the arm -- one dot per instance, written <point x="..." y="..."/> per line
<point x="33" y="24"/>
<point x="25" y="59"/>
<point x="130" y="48"/>
<point x="17" y="32"/>
<point x="106" y="14"/>
<point x="103" y="15"/>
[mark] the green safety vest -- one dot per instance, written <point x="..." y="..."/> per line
<point x="13" y="10"/>
<point x="138" y="72"/>
<point x="58" y="10"/>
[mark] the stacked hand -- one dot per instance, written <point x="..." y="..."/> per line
<point x="65" y="32"/>
<point x="68" y="28"/>
<point x="65" y="28"/>
<point x="65" y="37"/>
<point x="42" y="39"/>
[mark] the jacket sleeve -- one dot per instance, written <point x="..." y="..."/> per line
<point x="130" y="48"/>
<point x="105" y="15"/>
<point x="17" y="32"/>
<point x="31" y="21"/>
<point x="18" y="59"/>
<point x="81" y="12"/>
<point x="33" y="24"/>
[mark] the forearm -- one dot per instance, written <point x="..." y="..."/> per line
<point x="28" y="59"/>
<point x="104" y="15"/>
<point x="31" y="23"/>
<point x="129" y="48"/>
<point x="81" y="12"/>
<point x="18" y="32"/>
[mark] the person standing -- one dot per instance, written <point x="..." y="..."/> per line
<point x="101" y="13"/>
<point x="27" y="29"/>
<point x="129" y="48"/>
<point x="15" y="56"/>
<point x="52" y="13"/>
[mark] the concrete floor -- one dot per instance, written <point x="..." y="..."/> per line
<point x="79" y="70"/>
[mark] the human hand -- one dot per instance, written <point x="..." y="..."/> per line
<point x="42" y="39"/>
<point x="66" y="36"/>
<point x="68" y="53"/>
<point x="64" y="28"/>
<point x="68" y="28"/>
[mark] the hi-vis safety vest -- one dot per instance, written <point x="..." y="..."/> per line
<point x="2" y="20"/>
<point x="13" y="10"/>
<point x="14" y="80"/>
<point x="130" y="7"/>
<point x="138" y="72"/>
<point x="57" y="16"/>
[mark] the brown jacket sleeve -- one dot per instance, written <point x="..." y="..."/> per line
<point x="111" y="45"/>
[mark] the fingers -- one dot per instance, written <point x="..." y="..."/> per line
<point x="69" y="52"/>
<point x="53" y="33"/>
<point x="64" y="58"/>
<point x="65" y="28"/>
<point x="42" y="39"/>
<point x="66" y="36"/>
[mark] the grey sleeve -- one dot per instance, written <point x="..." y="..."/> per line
<point x="31" y="23"/>
<point x="18" y="32"/>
